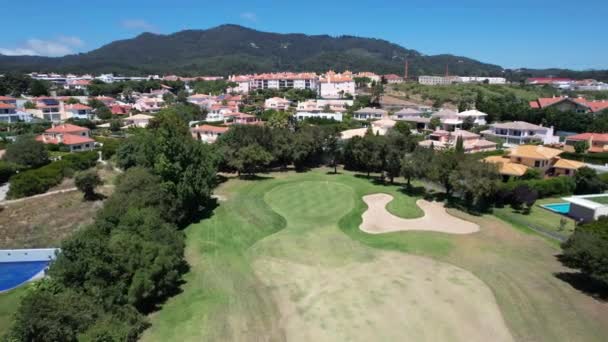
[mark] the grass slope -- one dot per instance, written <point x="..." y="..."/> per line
<point x="225" y="299"/>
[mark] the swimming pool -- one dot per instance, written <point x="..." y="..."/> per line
<point x="13" y="274"/>
<point x="560" y="208"/>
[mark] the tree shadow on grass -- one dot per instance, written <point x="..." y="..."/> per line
<point x="157" y="303"/>
<point x="256" y="177"/>
<point x="585" y="284"/>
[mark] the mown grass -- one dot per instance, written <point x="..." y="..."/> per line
<point x="538" y="218"/>
<point x="224" y="300"/>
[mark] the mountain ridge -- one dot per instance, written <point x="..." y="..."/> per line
<point x="233" y="49"/>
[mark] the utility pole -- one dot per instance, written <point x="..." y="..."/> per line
<point x="406" y="69"/>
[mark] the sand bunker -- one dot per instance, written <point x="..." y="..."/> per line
<point x="377" y="220"/>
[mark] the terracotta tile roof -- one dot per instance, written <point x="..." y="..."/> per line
<point x="602" y="137"/>
<point x="568" y="164"/>
<point x="209" y="128"/>
<point x="67" y="139"/>
<point x="506" y="167"/>
<point x="67" y="129"/>
<point x="6" y="106"/>
<point x="78" y="106"/>
<point x="120" y="109"/>
<point x="534" y="152"/>
<point x="594" y="106"/>
<point x="7" y="98"/>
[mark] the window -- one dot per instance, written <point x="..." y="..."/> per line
<point x="536" y="163"/>
<point x="567" y="172"/>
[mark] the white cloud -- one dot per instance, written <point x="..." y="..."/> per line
<point x="138" y="24"/>
<point x="249" y="16"/>
<point x="60" y="46"/>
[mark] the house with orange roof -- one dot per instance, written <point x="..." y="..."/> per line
<point x="10" y="114"/>
<point x="118" y="109"/>
<point x="545" y="159"/>
<point x="333" y="85"/>
<point x="570" y="104"/>
<point x="596" y="142"/>
<point x="75" y="137"/>
<point x="393" y="79"/>
<point x="207" y="133"/>
<point x="243" y="119"/>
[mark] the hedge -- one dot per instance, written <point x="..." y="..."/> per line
<point x="556" y="186"/>
<point x="7" y="169"/>
<point x="600" y="158"/>
<point x="37" y="181"/>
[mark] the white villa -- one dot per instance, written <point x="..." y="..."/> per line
<point x="521" y="132"/>
<point x="207" y="133"/>
<point x="369" y="114"/>
<point x="138" y="120"/>
<point x="336" y="86"/>
<point x="277" y="103"/>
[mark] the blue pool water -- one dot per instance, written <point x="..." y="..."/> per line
<point x="13" y="274"/>
<point x="560" y="208"/>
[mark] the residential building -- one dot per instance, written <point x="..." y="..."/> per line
<point x="282" y="80"/>
<point x="243" y="119"/>
<point x="318" y="115"/>
<point x="521" y="132"/>
<point x="48" y="108"/>
<point x="372" y="77"/>
<point x="138" y="120"/>
<point x="406" y="113"/>
<point x="149" y="105"/>
<point x="318" y="105"/>
<point x="207" y="133"/>
<point x="544" y="159"/>
<point x="10" y="114"/>
<point x="336" y="86"/>
<point x="106" y="100"/>
<point x="441" y="139"/>
<point x="118" y="109"/>
<point x="76" y="84"/>
<point x="478" y="117"/>
<point x="368" y="113"/>
<point x="379" y="127"/>
<point x="570" y="104"/>
<point x="78" y="111"/>
<point x="596" y="142"/>
<point x="449" y="119"/>
<point x="75" y="137"/>
<point x="393" y="79"/>
<point x="277" y="103"/>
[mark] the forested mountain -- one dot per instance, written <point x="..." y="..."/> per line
<point x="232" y="49"/>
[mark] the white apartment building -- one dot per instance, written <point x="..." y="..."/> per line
<point x="277" y="103"/>
<point x="477" y="79"/>
<point x="447" y="80"/>
<point x="283" y="80"/>
<point x="437" y="80"/>
<point x="336" y="86"/>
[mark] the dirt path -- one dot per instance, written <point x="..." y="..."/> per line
<point x="377" y="220"/>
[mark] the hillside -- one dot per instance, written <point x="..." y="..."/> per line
<point x="230" y="49"/>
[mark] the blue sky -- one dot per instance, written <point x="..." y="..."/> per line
<point x="517" y="33"/>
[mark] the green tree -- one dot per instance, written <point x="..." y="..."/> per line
<point x="581" y="146"/>
<point x="28" y="152"/>
<point x="403" y="128"/>
<point x="434" y="123"/>
<point x="29" y="105"/>
<point x="86" y="182"/>
<point x="331" y="146"/>
<point x="459" y="148"/>
<point x="588" y="182"/>
<point x="476" y="181"/>
<point x="587" y="250"/>
<point x="279" y="119"/>
<point x="103" y="113"/>
<point x="72" y="100"/>
<point x="39" y="88"/>
<point x="251" y="159"/>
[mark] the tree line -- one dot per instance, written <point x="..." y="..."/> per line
<point x="110" y="274"/>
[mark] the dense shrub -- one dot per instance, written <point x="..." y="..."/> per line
<point x="556" y="186"/>
<point x="592" y="158"/>
<point x="28" y="152"/>
<point x="587" y="250"/>
<point x="37" y="181"/>
<point x="7" y="169"/>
